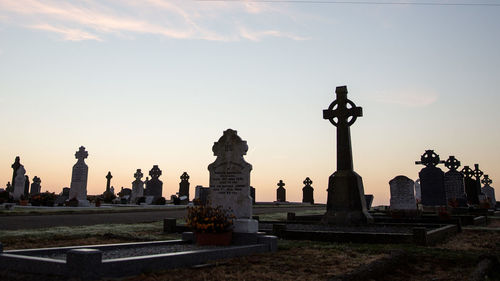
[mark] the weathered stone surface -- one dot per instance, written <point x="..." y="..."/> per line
<point x="78" y="187"/>
<point x="20" y="182"/>
<point x="346" y="197"/>
<point x="281" y="192"/>
<point x="308" y="191"/>
<point x="230" y="176"/>
<point x="402" y="194"/>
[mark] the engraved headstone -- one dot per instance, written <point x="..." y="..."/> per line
<point x="184" y="188"/>
<point x="489" y="191"/>
<point x="470" y="186"/>
<point x="78" y="187"/>
<point x="454" y="184"/>
<point x="19" y="186"/>
<point x="346" y="197"/>
<point x="281" y="192"/>
<point x="35" y="186"/>
<point x="230" y="180"/>
<point x="137" y="186"/>
<point x="308" y="191"/>
<point x="418" y="191"/>
<point x="154" y="186"/>
<point x="431" y="180"/>
<point x="402" y="194"/>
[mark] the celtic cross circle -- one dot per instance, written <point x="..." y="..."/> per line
<point x="486" y="180"/>
<point x="452" y="163"/>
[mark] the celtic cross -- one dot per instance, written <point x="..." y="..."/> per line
<point x="81" y="154"/>
<point x="467" y="171"/>
<point x="155" y="173"/>
<point x="429" y="159"/>
<point x="184" y="176"/>
<point x="486" y="180"/>
<point x="342" y="113"/>
<point x="307" y="181"/>
<point x="281" y="184"/>
<point x="477" y="173"/>
<point x="138" y="175"/>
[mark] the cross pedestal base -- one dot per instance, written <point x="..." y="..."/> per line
<point x="346" y="203"/>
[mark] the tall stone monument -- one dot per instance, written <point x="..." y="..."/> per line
<point x="431" y="180"/>
<point x="19" y="183"/>
<point x="346" y="196"/>
<point x="154" y="186"/>
<point x="470" y="186"/>
<point x="281" y="192"/>
<point x="402" y="194"/>
<point x="26" y="186"/>
<point x="108" y="182"/>
<point x="78" y="187"/>
<point x="454" y="184"/>
<point x="230" y="180"/>
<point x="35" y="186"/>
<point x="308" y="191"/>
<point x="137" y="186"/>
<point x="184" y="186"/>
<point x="489" y="191"/>
<point x="15" y="166"/>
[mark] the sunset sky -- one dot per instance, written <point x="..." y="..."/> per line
<point x="143" y="83"/>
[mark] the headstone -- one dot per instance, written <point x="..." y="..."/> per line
<point x="184" y="187"/>
<point x="78" y="187"/>
<point x="252" y="194"/>
<point x="454" y="184"/>
<point x="201" y="194"/>
<point x="402" y="194"/>
<point x="478" y="174"/>
<point x="489" y="191"/>
<point x="8" y="187"/>
<point x="346" y="196"/>
<point x="154" y="186"/>
<point x="26" y="186"/>
<point x="137" y="186"/>
<point x="63" y="196"/>
<point x="108" y="182"/>
<point x="230" y="180"/>
<point x="19" y="180"/>
<point x="15" y="166"/>
<point x="35" y="186"/>
<point x="418" y="191"/>
<point x="125" y="192"/>
<point x="369" y="201"/>
<point x="470" y="186"/>
<point x="281" y="192"/>
<point x="308" y="191"/>
<point x="431" y="180"/>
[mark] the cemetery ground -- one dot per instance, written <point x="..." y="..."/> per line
<point x="454" y="259"/>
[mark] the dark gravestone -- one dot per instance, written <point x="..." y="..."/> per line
<point x="26" y="186"/>
<point x="346" y="197"/>
<point x="125" y="192"/>
<point x="252" y="194"/>
<point x="369" y="201"/>
<point x="308" y="191"/>
<point x="154" y="186"/>
<point x="63" y="196"/>
<point x="108" y="182"/>
<point x="281" y="192"/>
<point x="184" y="187"/>
<point x="137" y="187"/>
<point x="454" y="184"/>
<point x="15" y="166"/>
<point x="489" y="191"/>
<point x="478" y="174"/>
<point x="431" y="180"/>
<point x="35" y="186"/>
<point x="470" y="186"/>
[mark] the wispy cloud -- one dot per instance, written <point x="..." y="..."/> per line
<point x="411" y="98"/>
<point x="95" y="20"/>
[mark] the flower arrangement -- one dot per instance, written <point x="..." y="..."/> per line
<point x="208" y="219"/>
<point x="43" y="199"/>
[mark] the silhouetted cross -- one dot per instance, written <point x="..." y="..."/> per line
<point x="345" y="116"/>
<point x="81" y="153"/>
<point x="452" y="163"/>
<point x="477" y="173"/>
<point x="184" y="176"/>
<point x="109" y="176"/>
<point x="307" y="181"/>
<point x="155" y="172"/>
<point x="486" y="180"/>
<point x="138" y="174"/>
<point x="429" y="159"/>
<point x="467" y="171"/>
<point x="281" y="184"/>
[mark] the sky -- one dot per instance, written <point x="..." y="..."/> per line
<point x="156" y="82"/>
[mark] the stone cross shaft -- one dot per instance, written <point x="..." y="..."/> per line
<point x="108" y="181"/>
<point x="342" y="117"/>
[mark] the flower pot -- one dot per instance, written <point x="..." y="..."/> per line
<point x="216" y="239"/>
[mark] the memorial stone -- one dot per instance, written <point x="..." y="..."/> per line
<point x="63" y="196"/>
<point x="184" y="187"/>
<point x="137" y="186"/>
<point x="369" y="201"/>
<point x="402" y="194"/>
<point x="478" y="174"/>
<point x="108" y="182"/>
<point x="35" y="186"/>
<point x="201" y="194"/>
<point x="252" y="194"/>
<point x="418" y="192"/>
<point x="470" y="186"/>
<point x="431" y="180"/>
<point x="154" y="186"/>
<point x="489" y="191"/>
<point x="15" y="166"/>
<point x="26" y="186"/>
<point x="230" y="180"/>
<point x="454" y="184"/>
<point x="281" y="192"/>
<point x="308" y="191"/>
<point x="8" y="187"/>
<point x="346" y="197"/>
<point x="78" y="187"/>
<point x="19" y="180"/>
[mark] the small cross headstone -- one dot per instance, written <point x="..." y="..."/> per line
<point x="308" y="191"/>
<point x="402" y="194"/>
<point x="78" y="187"/>
<point x="184" y="188"/>
<point x="470" y="186"/>
<point x="489" y="191"/>
<point x="20" y="181"/>
<point x="454" y="184"/>
<point x="346" y="197"/>
<point x="154" y="186"/>
<point x="281" y="192"/>
<point x="35" y="186"/>
<point x="137" y="187"/>
<point x="108" y="181"/>
<point x="431" y="180"/>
